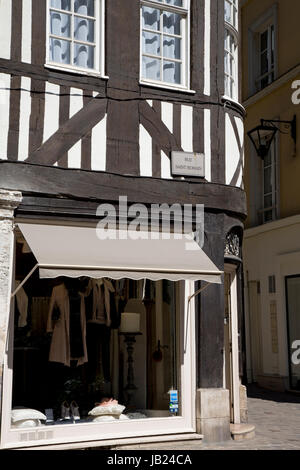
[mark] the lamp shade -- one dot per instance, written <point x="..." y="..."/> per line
<point x="130" y="322"/>
<point x="262" y="137"/>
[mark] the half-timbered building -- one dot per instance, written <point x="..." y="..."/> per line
<point x="102" y="100"/>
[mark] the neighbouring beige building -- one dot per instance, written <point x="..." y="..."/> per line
<point x="271" y="83"/>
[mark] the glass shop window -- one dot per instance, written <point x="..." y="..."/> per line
<point x="93" y="350"/>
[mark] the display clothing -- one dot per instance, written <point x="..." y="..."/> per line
<point x="22" y="305"/>
<point x="100" y="290"/>
<point x="98" y="344"/>
<point x="68" y="307"/>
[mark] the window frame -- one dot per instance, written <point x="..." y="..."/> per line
<point x="233" y="79"/>
<point x="234" y="6"/>
<point x="274" y="192"/>
<point x="232" y="29"/>
<point x="270" y="74"/>
<point x="99" y="41"/>
<point x="265" y="21"/>
<point x="65" y="436"/>
<point x="184" y="11"/>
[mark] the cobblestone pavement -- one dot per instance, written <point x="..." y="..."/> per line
<point x="276" y="417"/>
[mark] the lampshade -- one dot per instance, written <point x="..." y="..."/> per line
<point x="262" y="137"/>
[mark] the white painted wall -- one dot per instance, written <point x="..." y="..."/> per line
<point x="5" y="28"/>
<point x="98" y="146"/>
<point x="232" y="152"/>
<point x="145" y="152"/>
<point x="207" y="143"/>
<point x="187" y="128"/>
<point x="51" y="120"/>
<point x="273" y="249"/>
<point x="76" y="104"/>
<point x="4" y="112"/>
<point x="26" y="31"/>
<point x="207" y="34"/>
<point x="25" y="111"/>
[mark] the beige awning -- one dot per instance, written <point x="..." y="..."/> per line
<point x="77" y="251"/>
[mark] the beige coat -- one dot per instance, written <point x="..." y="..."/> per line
<point x="94" y="287"/>
<point x="60" y="344"/>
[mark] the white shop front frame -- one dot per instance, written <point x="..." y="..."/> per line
<point x="90" y="433"/>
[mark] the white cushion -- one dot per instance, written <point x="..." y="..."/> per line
<point x="20" y="414"/>
<point x="123" y="417"/>
<point x="109" y="418"/>
<point x="97" y="419"/>
<point x="27" y="423"/>
<point x="107" y="410"/>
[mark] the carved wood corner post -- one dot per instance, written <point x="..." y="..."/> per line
<point x="9" y="201"/>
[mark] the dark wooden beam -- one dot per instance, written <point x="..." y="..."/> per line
<point x="69" y="133"/>
<point x="102" y="186"/>
<point x="153" y="123"/>
<point x="40" y="72"/>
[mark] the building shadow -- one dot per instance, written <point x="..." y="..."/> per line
<point x="254" y="391"/>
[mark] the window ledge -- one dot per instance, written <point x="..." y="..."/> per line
<point x="76" y="71"/>
<point x="235" y="103"/>
<point x="167" y="87"/>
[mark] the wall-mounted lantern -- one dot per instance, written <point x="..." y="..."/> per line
<point x="263" y="135"/>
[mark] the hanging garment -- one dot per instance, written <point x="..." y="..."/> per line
<point x="39" y="315"/>
<point x="102" y="304"/>
<point x="76" y="340"/>
<point x="60" y="349"/>
<point x="22" y="304"/>
<point x="98" y="344"/>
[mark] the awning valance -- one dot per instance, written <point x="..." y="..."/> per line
<point x="77" y="251"/>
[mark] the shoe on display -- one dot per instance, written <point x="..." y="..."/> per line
<point x="65" y="411"/>
<point x="75" y="411"/>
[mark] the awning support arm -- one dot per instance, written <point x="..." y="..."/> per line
<point x="188" y="309"/>
<point x="199" y="291"/>
<point x="24" y="280"/>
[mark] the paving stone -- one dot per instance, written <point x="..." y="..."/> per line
<point x="276" y="417"/>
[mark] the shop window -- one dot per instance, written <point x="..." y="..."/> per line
<point x="100" y="353"/>
<point x="165" y="42"/>
<point x="75" y="34"/>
